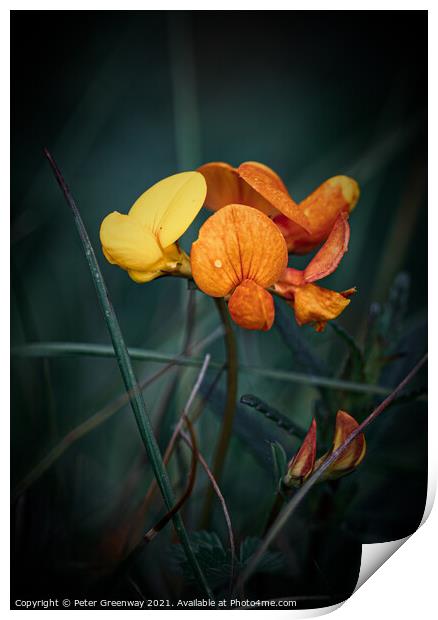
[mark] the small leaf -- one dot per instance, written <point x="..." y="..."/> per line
<point x="279" y="460"/>
<point x="213" y="559"/>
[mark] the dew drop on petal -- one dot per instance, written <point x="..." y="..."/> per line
<point x="218" y="263"/>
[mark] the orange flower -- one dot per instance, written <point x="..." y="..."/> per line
<point x="312" y="303"/>
<point x="303" y="464"/>
<point x="305" y="225"/>
<point x="239" y="254"/>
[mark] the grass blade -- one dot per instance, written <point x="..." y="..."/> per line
<point x="65" y="349"/>
<point x="126" y="370"/>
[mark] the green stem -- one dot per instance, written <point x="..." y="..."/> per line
<point x="65" y="349"/>
<point x="126" y="370"/>
<point x="229" y="411"/>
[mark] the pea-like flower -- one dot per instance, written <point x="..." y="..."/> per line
<point x="304" y="463"/>
<point x="305" y="225"/>
<point x="311" y="303"/>
<point x="144" y="242"/>
<point x="238" y="255"/>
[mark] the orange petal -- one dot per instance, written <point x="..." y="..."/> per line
<point x="267" y="183"/>
<point x="223" y="185"/>
<point x="349" y="292"/>
<point x="290" y="279"/>
<point x="251" y="306"/>
<point x="331" y="253"/>
<point x="237" y="243"/>
<point x="301" y="466"/>
<point x="321" y="208"/>
<point x="354" y="453"/>
<point x="314" y="304"/>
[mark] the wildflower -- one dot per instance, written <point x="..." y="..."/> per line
<point x="305" y="225"/>
<point x="304" y="463"/>
<point x="311" y="303"/>
<point x="144" y="241"/>
<point x="238" y="255"/>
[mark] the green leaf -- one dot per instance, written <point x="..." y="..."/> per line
<point x="215" y="561"/>
<point x="279" y="460"/>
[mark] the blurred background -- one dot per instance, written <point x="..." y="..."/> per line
<point x="123" y="99"/>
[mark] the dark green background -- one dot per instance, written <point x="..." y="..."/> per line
<point x="123" y="99"/>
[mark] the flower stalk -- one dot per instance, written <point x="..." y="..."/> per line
<point x="229" y="410"/>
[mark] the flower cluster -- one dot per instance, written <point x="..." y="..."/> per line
<point x="242" y="250"/>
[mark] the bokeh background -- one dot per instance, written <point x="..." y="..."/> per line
<point x="123" y="99"/>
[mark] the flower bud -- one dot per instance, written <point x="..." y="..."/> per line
<point x="301" y="465"/>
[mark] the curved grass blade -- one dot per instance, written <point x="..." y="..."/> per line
<point x="126" y="370"/>
<point x="65" y="349"/>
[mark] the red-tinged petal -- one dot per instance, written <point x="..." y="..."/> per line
<point x="302" y="464"/>
<point x="315" y="304"/>
<point x="266" y="183"/>
<point x="251" y="306"/>
<point x="349" y="292"/>
<point x="354" y="453"/>
<point x="321" y="208"/>
<point x="288" y="282"/>
<point x="331" y="253"/>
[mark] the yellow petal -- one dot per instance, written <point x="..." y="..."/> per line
<point x="314" y="304"/>
<point x="141" y="277"/>
<point x="251" y="306"/>
<point x="237" y="243"/>
<point x="169" y="207"/>
<point x="127" y="244"/>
